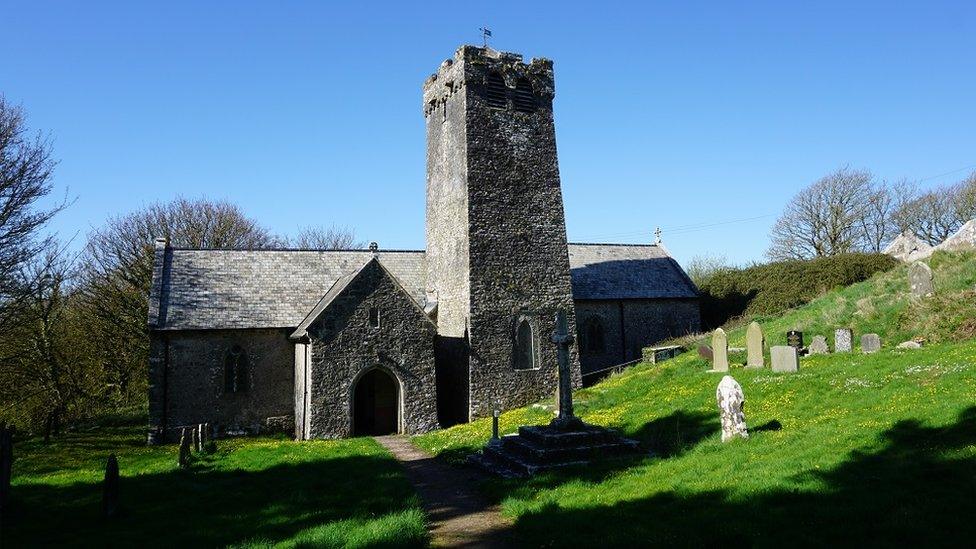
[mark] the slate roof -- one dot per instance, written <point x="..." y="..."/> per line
<point x="627" y="271"/>
<point x="223" y="289"/>
<point x="211" y="289"/>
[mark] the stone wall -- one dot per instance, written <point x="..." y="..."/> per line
<point x="187" y="382"/>
<point x="518" y="261"/>
<point x="344" y="346"/>
<point x="630" y="325"/>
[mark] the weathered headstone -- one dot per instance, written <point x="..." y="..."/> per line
<point x="819" y="346"/>
<point x="754" y="346"/>
<point x="920" y="278"/>
<point x="720" y="351"/>
<point x="705" y="352"/>
<point x="843" y="338"/>
<point x="6" y="463"/>
<point x="910" y="344"/>
<point x="784" y="358"/>
<point x="870" y="343"/>
<point x="794" y="338"/>
<point x="730" y="401"/>
<point x="110" y="488"/>
<point x="195" y="438"/>
<point x="184" y="459"/>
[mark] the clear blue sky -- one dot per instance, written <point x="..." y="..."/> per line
<point x="667" y="114"/>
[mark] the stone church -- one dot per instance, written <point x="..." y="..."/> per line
<point x="329" y="344"/>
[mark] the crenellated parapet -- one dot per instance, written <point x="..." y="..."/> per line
<point x="501" y="79"/>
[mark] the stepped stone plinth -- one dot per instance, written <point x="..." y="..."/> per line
<point x="540" y="448"/>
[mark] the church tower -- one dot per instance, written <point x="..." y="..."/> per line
<point x="497" y="257"/>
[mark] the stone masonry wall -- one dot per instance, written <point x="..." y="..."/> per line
<point x="518" y="261"/>
<point x="187" y="382"/>
<point x="344" y="346"/>
<point x="644" y="322"/>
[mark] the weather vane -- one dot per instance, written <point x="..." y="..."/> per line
<point x="657" y="235"/>
<point x="485" y="35"/>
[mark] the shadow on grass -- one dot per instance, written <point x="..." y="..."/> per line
<point x="206" y="507"/>
<point x="919" y="488"/>
<point x="674" y="434"/>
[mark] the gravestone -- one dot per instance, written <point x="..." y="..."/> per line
<point x="870" y="343"/>
<point x="6" y="463"/>
<point x="794" y="338"/>
<point x="730" y="401"/>
<point x="110" y="488"/>
<point x="754" y="346"/>
<point x="843" y="338"/>
<point x="920" y="279"/>
<point x="819" y="346"/>
<point x="705" y="352"/>
<point x="195" y="438"/>
<point x="720" y="351"/>
<point x="910" y="344"/>
<point x="784" y="358"/>
<point x="184" y="459"/>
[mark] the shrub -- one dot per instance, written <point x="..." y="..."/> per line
<point x="775" y="287"/>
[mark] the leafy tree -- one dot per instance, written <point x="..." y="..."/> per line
<point x="25" y="178"/>
<point x="117" y="275"/>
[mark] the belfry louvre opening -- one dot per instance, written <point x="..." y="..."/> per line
<point x="522" y="97"/>
<point x="495" y="91"/>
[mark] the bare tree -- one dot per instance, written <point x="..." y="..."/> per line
<point x="25" y="178"/>
<point x="118" y="273"/>
<point x="330" y="238"/>
<point x="826" y="218"/>
<point x="932" y="216"/>
<point x="701" y="267"/>
<point x="965" y="198"/>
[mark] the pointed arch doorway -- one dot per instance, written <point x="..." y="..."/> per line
<point x="376" y="404"/>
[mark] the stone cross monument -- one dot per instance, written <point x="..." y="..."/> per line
<point x="566" y="420"/>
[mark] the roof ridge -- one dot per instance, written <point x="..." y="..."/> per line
<point x="178" y="249"/>
<point x="645" y="245"/>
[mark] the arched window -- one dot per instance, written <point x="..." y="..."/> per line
<point x="593" y="336"/>
<point x="235" y="370"/>
<point x="526" y="346"/>
<point x="495" y="91"/>
<point x="523" y="98"/>
<point x="374" y="317"/>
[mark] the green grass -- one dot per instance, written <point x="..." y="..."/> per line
<point x="854" y="449"/>
<point x="249" y="493"/>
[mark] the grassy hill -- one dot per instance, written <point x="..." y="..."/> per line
<point x="875" y="449"/>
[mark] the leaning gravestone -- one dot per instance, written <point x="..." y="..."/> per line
<point x="705" y="352"/>
<point x="920" y="278"/>
<point x="730" y="401"/>
<point x="754" y="346"/>
<point x="843" y="338"/>
<point x="794" y="338"/>
<point x="720" y="351"/>
<point x="819" y="346"/>
<point x="184" y="459"/>
<point x="870" y="343"/>
<point x="785" y="358"/>
<point x="195" y="439"/>
<point x="110" y="488"/>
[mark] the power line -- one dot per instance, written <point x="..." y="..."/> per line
<point x="696" y="227"/>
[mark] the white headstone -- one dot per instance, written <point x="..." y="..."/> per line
<point x="785" y="358"/>
<point x="842" y="340"/>
<point x="720" y="351"/>
<point x="730" y="400"/>
<point x="754" y="346"/>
